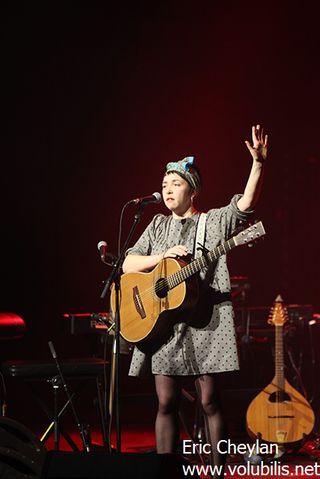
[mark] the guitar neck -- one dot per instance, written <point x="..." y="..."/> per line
<point x="198" y="264"/>
<point x="279" y="360"/>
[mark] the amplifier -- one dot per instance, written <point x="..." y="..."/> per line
<point x="84" y="323"/>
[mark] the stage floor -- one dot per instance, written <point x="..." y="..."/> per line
<point x="140" y="439"/>
<point x="137" y="414"/>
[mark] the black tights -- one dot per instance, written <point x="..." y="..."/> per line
<point x="168" y="390"/>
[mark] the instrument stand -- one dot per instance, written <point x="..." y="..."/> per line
<point x="55" y="382"/>
<point x="114" y="277"/>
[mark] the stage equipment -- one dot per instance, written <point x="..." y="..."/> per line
<point x="22" y="455"/>
<point x="279" y="414"/>
<point x="80" y="370"/>
<point x="251" y="320"/>
<point x="94" y="323"/>
<point x="12" y="326"/>
<point x="114" y="281"/>
<point x="256" y="344"/>
<point x="65" y="465"/>
<point x="145" y="200"/>
<point x="82" y="323"/>
<point x="239" y="287"/>
<point x="82" y="429"/>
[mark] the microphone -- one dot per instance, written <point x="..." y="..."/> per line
<point x="107" y="258"/>
<point x="102" y="248"/>
<point x="145" y="200"/>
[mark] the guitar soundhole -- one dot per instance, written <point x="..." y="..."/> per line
<point x="161" y="288"/>
<point x="279" y="396"/>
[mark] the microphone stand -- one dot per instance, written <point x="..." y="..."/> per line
<point x="114" y="277"/>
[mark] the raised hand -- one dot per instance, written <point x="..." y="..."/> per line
<point x="259" y="147"/>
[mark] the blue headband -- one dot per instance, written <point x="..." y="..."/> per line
<point x="182" y="167"/>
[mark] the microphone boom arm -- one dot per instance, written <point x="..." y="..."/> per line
<point x="118" y="263"/>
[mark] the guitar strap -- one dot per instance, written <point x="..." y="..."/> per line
<point x="200" y="234"/>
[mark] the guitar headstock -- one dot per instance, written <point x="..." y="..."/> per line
<point x="251" y="234"/>
<point x="278" y="313"/>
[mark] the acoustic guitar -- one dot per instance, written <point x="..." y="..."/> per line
<point x="151" y="303"/>
<point x="279" y="414"/>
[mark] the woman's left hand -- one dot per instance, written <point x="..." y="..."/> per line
<point x="259" y="147"/>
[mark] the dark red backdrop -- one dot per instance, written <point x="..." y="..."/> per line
<point x="96" y="100"/>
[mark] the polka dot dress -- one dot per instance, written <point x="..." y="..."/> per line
<point x="209" y="345"/>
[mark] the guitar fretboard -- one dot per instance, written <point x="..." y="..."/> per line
<point x="198" y="264"/>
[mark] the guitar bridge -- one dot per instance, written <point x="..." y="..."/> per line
<point x="138" y="303"/>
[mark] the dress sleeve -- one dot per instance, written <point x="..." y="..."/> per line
<point x="229" y="218"/>
<point x="144" y="244"/>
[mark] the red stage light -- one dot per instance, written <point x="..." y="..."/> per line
<point x="12" y="326"/>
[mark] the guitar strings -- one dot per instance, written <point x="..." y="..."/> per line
<point x="195" y="266"/>
<point x="175" y="278"/>
<point x="161" y="284"/>
<point x="179" y="276"/>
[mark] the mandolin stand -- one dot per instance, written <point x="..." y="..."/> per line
<point x="312" y="446"/>
<point x="114" y="277"/>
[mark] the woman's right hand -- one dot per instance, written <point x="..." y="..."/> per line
<point x="138" y="263"/>
<point x="175" y="251"/>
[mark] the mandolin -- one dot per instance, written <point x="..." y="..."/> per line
<point x="151" y="303"/>
<point x="279" y="413"/>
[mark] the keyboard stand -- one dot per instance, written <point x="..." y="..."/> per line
<point x="84" y="369"/>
